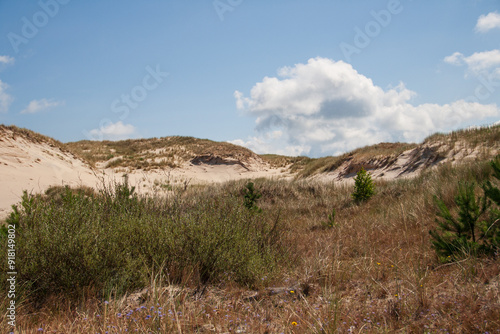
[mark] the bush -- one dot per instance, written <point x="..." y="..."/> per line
<point x="492" y="232"/>
<point x="251" y="195"/>
<point x="331" y="220"/>
<point x="465" y="234"/>
<point x="459" y="235"/>
<point x="363" y="186"/>
<point x="71" y="243"/>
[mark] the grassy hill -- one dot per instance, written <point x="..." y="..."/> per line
<point x="454" y="146"/>
<point x="157" y="152"/>
<point x="199" y="261"/>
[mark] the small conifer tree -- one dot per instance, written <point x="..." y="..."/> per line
<point x="331" y="220"/>
<point x="251" y="197"/>
<point x="460" y="235"/>
<point x="492" y="230"/>
<point x="363" y="186"/>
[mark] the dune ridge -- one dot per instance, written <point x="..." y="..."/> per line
<point x="33" y="162"/>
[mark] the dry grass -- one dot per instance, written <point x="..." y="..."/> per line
<point x="30" y="136"/>
<point x="485" y="140"/>
<point x="282" y="161"/>
<point x="375" y="272"/>
<point x="388" y="152"/>
<point x="156" y="152"/>
<point x="489" y="135"/>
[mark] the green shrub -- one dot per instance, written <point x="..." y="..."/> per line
<point x="465" y="234"/>
<point x="251" y="195"/>
<point x="458" y="236"/>
<point x="330" y="223"/>
<point x="73" y="242"/>
<point x="363" y="186"/>
<point x="492" y="231"/>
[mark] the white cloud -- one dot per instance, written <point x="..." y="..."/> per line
<point x="5" y="99"/>
<point x="477" y="63"/>
<point x="40" y="105"/>
<point x="456" y="59"/>
<point x="487" y="22"/>
<point x="6" y="60"/>
<point x="327" y="107"/>
<point x="114" y="131"/>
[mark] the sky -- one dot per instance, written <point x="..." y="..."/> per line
<point x="293" y="77"/>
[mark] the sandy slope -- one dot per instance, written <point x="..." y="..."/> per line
<point x="159" y="181"/>
<point x="34" y="166"/>
<point x="410" y="162"/>
<point x="26" y="165"/>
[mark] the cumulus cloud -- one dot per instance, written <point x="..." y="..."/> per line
<point x="5" y="99"/>
<point x="478" y="63"/>
<point x="487" y="22"/>
<point x="6" y="60"/>
<point x="327" y="107"/>
<point x="113" y="131"/>
<point x="40" y="105"/>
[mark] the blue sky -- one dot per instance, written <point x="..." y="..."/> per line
<point x="293" y="77"/>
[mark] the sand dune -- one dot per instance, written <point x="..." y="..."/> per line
<point x="31" y="165"/>
<point x="34" y="166"/>
<point x="33" y="162"/>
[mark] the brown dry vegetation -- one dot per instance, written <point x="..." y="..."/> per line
<point x="31" y="136"/>
<point x="481" y="141"/>
<point x="156" y="152"/>
<point x="374" y="272"/>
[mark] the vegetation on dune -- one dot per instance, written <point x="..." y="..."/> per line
<point x="257" y="257"/>
<point x="471" y="232"/>
<point x="70" y="241"/>
<point x="282" y="161"/>
<point x="375" y="267"/>
<point x="487" y="135"/>
<point x="363" y="186"/>
<point x="31" y="136"/>
<point x="469" y="139"/>
<point x="156" y="152"/>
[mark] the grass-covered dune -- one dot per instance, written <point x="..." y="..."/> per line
<point x="210" y="264"/>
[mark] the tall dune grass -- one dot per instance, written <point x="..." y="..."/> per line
<point x="211" y="265"/>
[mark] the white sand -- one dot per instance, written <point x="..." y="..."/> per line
<point x="34" y="167"/>
<point x="26" y="165"/>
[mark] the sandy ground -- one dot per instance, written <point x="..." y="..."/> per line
<point x="31" y="166"/>
<point x="34" y="167"/>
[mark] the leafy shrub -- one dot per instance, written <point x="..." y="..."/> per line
<point x="363" y="186"/>
<point x="112" y="241"/>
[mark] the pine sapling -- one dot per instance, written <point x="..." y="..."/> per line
<point x="363" y="186"/>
